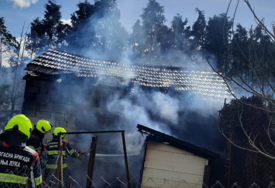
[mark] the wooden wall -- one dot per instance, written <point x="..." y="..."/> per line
<point x="165" y="164"/>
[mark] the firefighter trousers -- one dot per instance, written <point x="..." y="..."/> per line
<point x="50" y="179"/>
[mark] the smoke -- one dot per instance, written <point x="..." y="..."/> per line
<point x="163" y="108"/>
<point x="112" y="103"/>
<point x="99" y="107"/>
<point x="9" y="77"/>
<point x="101" y="36"/>
<point x="12" y="85"/>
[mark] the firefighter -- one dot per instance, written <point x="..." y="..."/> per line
<point x="52" y="155"/>
<point x="36" y="140"/>
<point x="19" y="164"/>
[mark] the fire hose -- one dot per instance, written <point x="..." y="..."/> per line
<point x="84" y="154"/>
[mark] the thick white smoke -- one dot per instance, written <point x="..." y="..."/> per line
<point x="158" y="110"/>
<point x="170" y="112"/>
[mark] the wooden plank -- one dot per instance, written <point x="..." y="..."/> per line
<point x="167" y="148"/>
<point x="154" y="183"/>
<point x="158" y="155"/>
<point x="171" y="176"/>
<point x="173" y="166"/>
<point x="60" y="163"/>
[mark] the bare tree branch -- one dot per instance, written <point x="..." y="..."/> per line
<point x="267" y="80"/>
<point x="256" y="59"/>
<point x="253" y="142"/>
<point x="232" y="93"/>
<point x="234" y="144"/>
<point x="235" y="12"/>
<point x="258" y="20"/>
<point x="268" y="133"/>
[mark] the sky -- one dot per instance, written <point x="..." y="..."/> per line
<point x="16" y="12"/>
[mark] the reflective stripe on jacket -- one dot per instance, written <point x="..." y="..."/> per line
<point x="53" y="153"/>
<point x="19" y="166"/>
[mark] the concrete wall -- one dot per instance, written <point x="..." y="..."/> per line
<point x="56" y="103"/>
<point x="167" y="163"/>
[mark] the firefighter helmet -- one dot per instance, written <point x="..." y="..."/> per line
<point x="23" y="123"/>
<point x="58" y="130"/>
<point x="43" y="126"/>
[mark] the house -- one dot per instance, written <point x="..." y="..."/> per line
<point x="171" y="162"/>
<point x="66" y="88"/>
<point x="73" y="91"/>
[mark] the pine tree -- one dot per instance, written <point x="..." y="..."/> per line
<point x="80" y="20"/>
<point x="8" y="42"/>
<point x="35" y="37"/>
<point x="51" y="19"/>
<point x="85" y="10"/>
<point x="217" y="40"/>
<point x="179" y="38"/>
<point x="48" y="32"/>
<point x="97" y="29"/>
<point x="156" y="36"/>
<point x="136" y="40"/>
<point x="7" y="38"/>
<point x="198" y="31"/>
<point x="239" y="51"/>
<point x="261" y="56"/>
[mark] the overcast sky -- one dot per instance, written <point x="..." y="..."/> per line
<point x="16" y="12"/>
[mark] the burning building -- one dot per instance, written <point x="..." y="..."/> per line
<point x="56" y="79"/>
<point x="80" y="93"/>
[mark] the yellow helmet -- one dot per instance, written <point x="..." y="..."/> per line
<point x="59" y="130"/>
<point x="43" y="126"/>
<point x="23" y="123"/>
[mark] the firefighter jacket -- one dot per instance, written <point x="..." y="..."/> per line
<point x="19" y="166"/>
<point x="52" y="153"/>
<point x="35" y="141"/>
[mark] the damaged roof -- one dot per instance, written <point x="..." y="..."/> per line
<point x="178" y="143"/>
<point x="207" y="86"/>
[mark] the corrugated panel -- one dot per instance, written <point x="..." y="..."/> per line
<point x="167" y="163"/>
